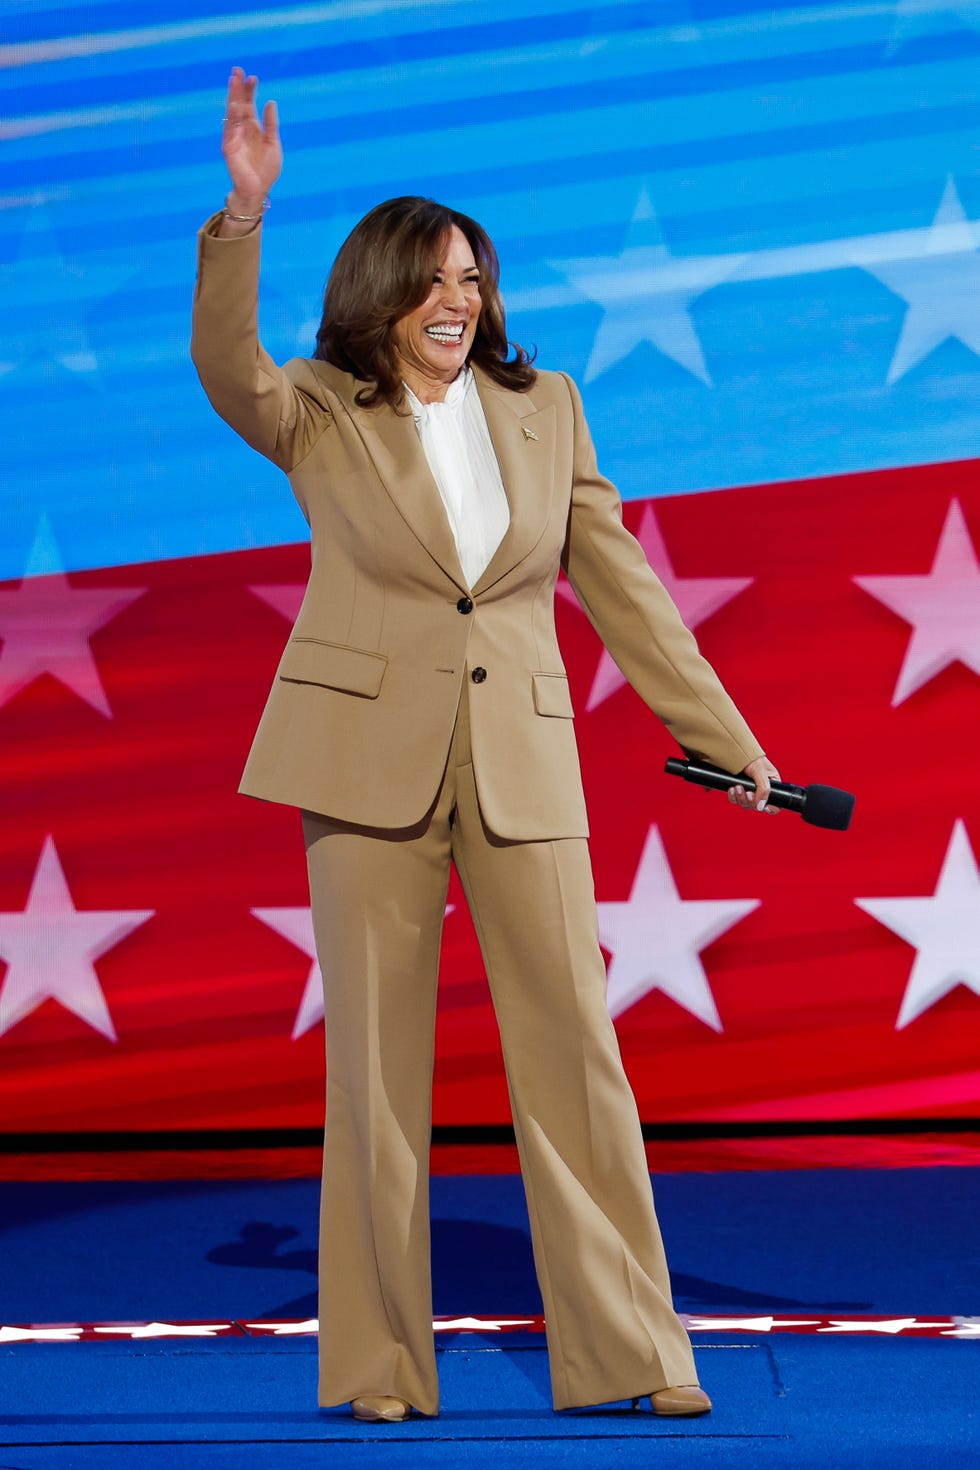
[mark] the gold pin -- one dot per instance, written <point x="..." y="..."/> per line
<point x="529" y="433"/>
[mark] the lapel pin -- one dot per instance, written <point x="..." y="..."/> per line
<point x="529" y="433"/>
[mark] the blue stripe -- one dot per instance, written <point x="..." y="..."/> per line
<point x="37" y="20"/>
<point x="284" y="57"/>
<point x="739" y="125"/>
<point x="394" y="31"/>
<point x="518" y="81"/>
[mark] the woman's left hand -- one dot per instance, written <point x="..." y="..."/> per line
<point x="761" y="771"/>
<point x="251" y="146"/>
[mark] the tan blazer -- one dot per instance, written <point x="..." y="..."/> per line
<point x="360" y="716"/>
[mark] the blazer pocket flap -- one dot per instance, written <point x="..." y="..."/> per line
<point x="334" y="665"/>
<point x="551" y="695"/>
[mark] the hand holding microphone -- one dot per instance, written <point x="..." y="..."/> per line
<point x="753" y="788"/>
<point x="821" y="806"/>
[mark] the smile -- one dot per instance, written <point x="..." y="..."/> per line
<point x="449" y="334"/>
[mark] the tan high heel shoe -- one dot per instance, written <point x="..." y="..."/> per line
<point x="683" y="1401"/>
<point x="380" y="1408"/>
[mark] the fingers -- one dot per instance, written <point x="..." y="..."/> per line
<point x="250" y="144"/>
<point x="752" y="801"/>
<point x="240" y="104"/>
<point x="762" y="773"/>
<point x="241" y="119"/>
<point x="237" y="88"/>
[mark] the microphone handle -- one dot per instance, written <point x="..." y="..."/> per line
<point x="782" y="794"/>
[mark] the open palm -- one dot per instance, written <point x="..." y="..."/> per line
<point x="251" y="146"/>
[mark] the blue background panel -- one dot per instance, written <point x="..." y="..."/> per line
<point x="752" y="235"/>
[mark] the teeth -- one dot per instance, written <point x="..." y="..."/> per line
<point x="445" y="334"/>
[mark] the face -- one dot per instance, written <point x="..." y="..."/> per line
<point x="433" y="342"/>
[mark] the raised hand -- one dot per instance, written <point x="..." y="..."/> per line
<point x="251" y="146"/>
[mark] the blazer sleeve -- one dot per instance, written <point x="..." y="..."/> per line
<point x="281" y="412"/>
<point x="638" y="622"/>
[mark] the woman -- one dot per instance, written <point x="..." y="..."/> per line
<point x="421" y="717"/>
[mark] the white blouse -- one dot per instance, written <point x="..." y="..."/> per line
<point x="461" y="456"/>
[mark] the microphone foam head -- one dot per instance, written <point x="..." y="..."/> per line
<point x="827" y="806"/>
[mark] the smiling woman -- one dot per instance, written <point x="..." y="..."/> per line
<point x="421" y="719"/>
<point x="413" y="296"/>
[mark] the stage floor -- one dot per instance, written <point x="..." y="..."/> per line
<point x="795" y="1401"/>
<point x="768" y="1248"/>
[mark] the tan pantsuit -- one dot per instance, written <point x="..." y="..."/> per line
<point x="417" y="721"/>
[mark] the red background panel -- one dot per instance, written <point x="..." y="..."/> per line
<point x="203" y="996"/>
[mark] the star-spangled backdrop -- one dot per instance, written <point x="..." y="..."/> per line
<point x="754" y="238"/>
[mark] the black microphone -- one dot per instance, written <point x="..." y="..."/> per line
<point x="821" y="806"/>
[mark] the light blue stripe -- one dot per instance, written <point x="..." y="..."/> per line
<point x="531" y="228"/>
<point x="155" y="47"/>
<point x="703" y="42"/>
<point x="306" y="252"/>
<point x="538" y="67"/>
<point x="591" y="132"/>
<point x="73" y="17"/>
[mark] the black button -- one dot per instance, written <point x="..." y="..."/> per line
<point x="465" y="605"/>
<point x="478" y="676"/>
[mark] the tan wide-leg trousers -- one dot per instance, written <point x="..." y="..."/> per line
<point x="378" y="899"/>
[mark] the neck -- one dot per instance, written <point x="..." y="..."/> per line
<point x="429" y="390"/>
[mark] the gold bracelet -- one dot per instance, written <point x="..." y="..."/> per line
<point x="244" y="219"/>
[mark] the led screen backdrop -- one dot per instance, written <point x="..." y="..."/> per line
<point x="753" y="237"/>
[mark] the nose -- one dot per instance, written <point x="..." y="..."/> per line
<point x="453" y="296"/>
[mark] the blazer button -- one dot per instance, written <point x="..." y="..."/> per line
<point x="478" y="676"/>
<point x="465" y="605"/>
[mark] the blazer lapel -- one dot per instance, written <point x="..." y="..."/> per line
<point x="393" y="443"/>
<point x="523" y="438"/>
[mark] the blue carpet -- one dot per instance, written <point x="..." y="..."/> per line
<point x="890" y="1241"/>
<point x="798" y="1401"/>
<point x="896" y="1242"/>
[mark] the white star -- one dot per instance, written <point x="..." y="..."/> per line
<point x="696" y="598"/>
<point x="296" y="925"/>
<point x="40" y="1334"/>
<point x="655" y="938"/>
<point x="286" y="1329"/>
<point x="284" y="597"/>
<point x="940" y="283"/>
<point x="646" y="294"/>
<point x="896" y="1325"/>
<point x="945" y="929"/>
<point x="50" y="948"/>
<point x="943" y="607"/>
<point x="46" y="623"/>
<point x="480" y="1324"/>
<point x="746" y="1324"/>
<point x="169" y="1329"/>
<point x="966" y="1327"/>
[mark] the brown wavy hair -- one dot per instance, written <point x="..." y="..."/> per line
<point x="383" y="271"/>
